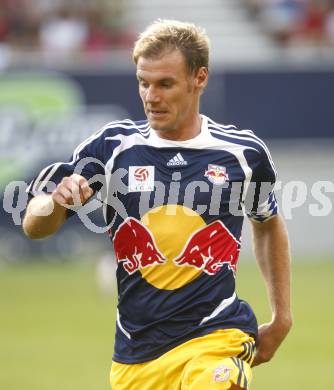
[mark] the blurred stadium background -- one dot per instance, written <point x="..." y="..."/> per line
<point x="65" y="70"/>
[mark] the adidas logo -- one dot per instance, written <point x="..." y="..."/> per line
<point x="177" y="160"/>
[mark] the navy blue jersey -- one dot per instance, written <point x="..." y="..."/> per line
<point x="175" y="211"/>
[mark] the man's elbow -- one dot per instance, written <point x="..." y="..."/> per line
<point x="289" y="322"/>
<point x="34" y="235"/>
<point x="284" y="321"/>
<point x="33" y="232"/>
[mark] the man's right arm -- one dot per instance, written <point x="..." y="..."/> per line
<point x="46" y="213"/>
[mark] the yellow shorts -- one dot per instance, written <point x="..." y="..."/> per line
<point x="213" y="361"/>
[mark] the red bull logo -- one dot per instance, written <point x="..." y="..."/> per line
<point x="209" y="248"/>
<point x="135" y="246"/>
<point x="216" y="174"/>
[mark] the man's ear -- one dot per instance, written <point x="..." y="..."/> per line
<point x="202" y="77"/>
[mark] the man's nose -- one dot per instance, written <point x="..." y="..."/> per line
<point x="152" y="95"/>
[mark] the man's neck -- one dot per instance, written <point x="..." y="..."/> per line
<point x="191" y="131"/>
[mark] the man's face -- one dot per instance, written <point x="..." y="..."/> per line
<point x="169" y="93"/>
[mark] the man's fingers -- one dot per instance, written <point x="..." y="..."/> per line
<point x="63" y="193"/>
<point x="86" y="191"/>
<point x="58" y="197"/>
<point x="72" y="191"/>
<point x="83" y="188"/>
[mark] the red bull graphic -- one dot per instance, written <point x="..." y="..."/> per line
<point x="210" y="248"/>
<point x="216" y="174"/>
<point x="206" y="249"/>
<point x="135" y="246"/>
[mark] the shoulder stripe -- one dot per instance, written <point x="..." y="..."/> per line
<point x="250" y="138"/>
<point x="43" y="178"/>
<point x="112" y="125"/>
<point x="46" y="174"/>
<point x="41" y="184"/>
<point x="227" y="128"/>
<point x="246" y="132"/>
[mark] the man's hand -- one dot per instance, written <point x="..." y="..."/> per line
<point x="269" y="339"/>
<point x="73" y="190"/>
<point x="46" y="213"/>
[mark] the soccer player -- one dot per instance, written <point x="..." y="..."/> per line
<point x="175" y="188"/>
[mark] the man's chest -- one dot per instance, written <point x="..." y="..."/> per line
<point x="205" y="180"/>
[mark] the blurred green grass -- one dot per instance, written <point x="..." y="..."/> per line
<point x="57" y="329"/>
<point x="305" y="360"/>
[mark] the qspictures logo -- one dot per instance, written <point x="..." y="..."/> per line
<point x="292" y="195"/>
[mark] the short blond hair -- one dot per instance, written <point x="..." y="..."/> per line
<point x="164" y="35"/>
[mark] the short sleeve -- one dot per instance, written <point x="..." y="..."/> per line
<point x="260" y="201"/>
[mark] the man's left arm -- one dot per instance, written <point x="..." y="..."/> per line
<point x="271" y="247"/>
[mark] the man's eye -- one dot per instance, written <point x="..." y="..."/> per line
<point x="143" y="84"/>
